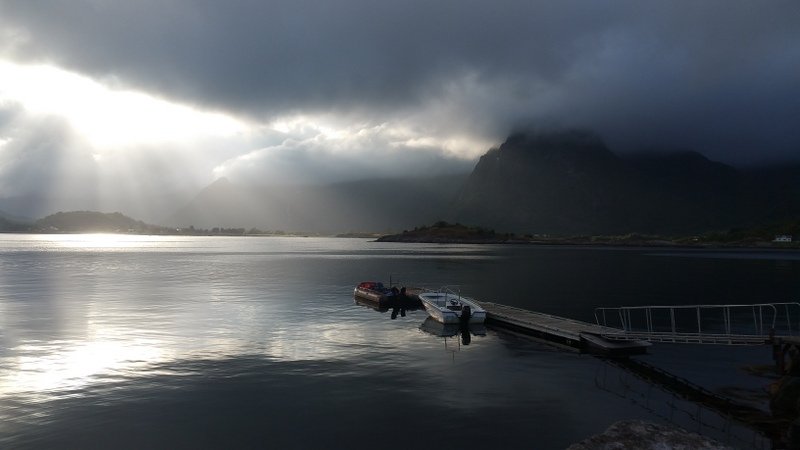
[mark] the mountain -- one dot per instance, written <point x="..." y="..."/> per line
<point x="694" y="194"/>
<point x="569" y="182"/>
<point x="557" y="183"/>
<point x="9" y="222"/>
<point x="365" y="205"/>
<point x="14" y="218"/>
<point x="91" y="221"/>
<point x="547" y="183"/>
<point x="12" y="226"/>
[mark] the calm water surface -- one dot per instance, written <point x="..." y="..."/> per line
<point x="216" y="342"/>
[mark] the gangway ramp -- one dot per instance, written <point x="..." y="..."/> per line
<point x="749" y="324"/>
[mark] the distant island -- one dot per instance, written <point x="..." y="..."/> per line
<point x="100" y="222"/>
<point x="773" y="236"/>
<point x="448" y="233"/>
<point x="783" y="235"/>
<point x="92" y="222"/>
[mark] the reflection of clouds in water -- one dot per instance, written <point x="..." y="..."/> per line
<point x="215" y="323"/>
<point x="274" y="247"/>
<point x="97" y="242"/>
<point x="42" y="372"/>
<point x="121" y="336"/>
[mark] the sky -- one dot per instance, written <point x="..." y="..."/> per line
<point x="124" y="102"/>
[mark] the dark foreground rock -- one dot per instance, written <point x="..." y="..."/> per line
<point x="640" y="435"/>
<point x="785" y="396"/>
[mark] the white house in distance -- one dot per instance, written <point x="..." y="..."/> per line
<point x="782" y="238"/>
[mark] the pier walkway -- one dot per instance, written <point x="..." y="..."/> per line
<point x="630" y="330"/>
<point x="623" y="331"/>
<point x="753" y="324"/>
<point x="575" y="334"/>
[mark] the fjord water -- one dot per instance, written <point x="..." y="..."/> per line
<point x="123" y="341"/>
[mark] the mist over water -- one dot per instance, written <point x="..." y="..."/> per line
<point x="218" y="342"/>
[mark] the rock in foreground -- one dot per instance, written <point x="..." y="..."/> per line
<point x="639" y="435"/>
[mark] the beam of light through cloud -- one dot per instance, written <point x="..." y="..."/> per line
<point x="717" y="76"/>
<point x="107" y="117"/>
<point x="133" y="100"/>
<point x="111" y="119"/>
<point x="46" y="165"/>
<point x="69" y="142"/>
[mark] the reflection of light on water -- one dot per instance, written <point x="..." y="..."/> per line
<point x="42" y="370"/>
<point x="45" y="371"/>
<point x="87" y="327"/>
<point x="331" y="341"/>
<point x="105" y="241"/>
<point x="92" y="242"/>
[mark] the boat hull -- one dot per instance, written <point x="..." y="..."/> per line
<point x="376" y="293"/>
<point x="447" y="308"/>
<point x="373" y="296"/>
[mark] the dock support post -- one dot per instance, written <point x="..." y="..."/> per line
<point x="778" y="353"/>
<point x="778" y="356"/>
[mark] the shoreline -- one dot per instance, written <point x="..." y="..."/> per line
<point x="449" y="233"/>
<point x="588" y="241"/>
<point x="145" y="233"/>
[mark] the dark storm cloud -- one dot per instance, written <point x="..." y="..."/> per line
<point x="719" y="76"/>
<point x="263" y="56"/>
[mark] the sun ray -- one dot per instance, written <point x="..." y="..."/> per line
<point x="109" y="117"/>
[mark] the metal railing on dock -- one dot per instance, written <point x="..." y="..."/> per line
<point x="702" y="324"/>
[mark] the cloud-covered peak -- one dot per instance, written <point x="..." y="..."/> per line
<point x="717" y="75"/>
<point x="339" y="88"/>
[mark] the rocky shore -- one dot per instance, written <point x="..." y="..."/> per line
<point x="641" y="435"/>
<point x="447" y="233"/>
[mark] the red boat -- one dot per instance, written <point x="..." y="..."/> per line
<point x="374" y="291"/>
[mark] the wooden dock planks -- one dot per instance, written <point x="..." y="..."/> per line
<point x="562" y="326"/>
<point x="577" y="334"/>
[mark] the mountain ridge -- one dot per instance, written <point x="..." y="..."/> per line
<point x="556" y="183"/>
<point x="569" y="182"/>
<point x="565" y="183"/>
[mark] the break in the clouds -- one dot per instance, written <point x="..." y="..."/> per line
<point x="338" y="89"/>
<point x="305" y="154"/>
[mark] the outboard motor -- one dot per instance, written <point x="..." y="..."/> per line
<point x="466" y="313"/>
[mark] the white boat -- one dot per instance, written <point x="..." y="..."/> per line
<point x="448" y="307"/>
<point x="431" y="326"/>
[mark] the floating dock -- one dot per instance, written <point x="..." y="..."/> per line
<point x="582" y="336"/>
<point x="561" y="331"/>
